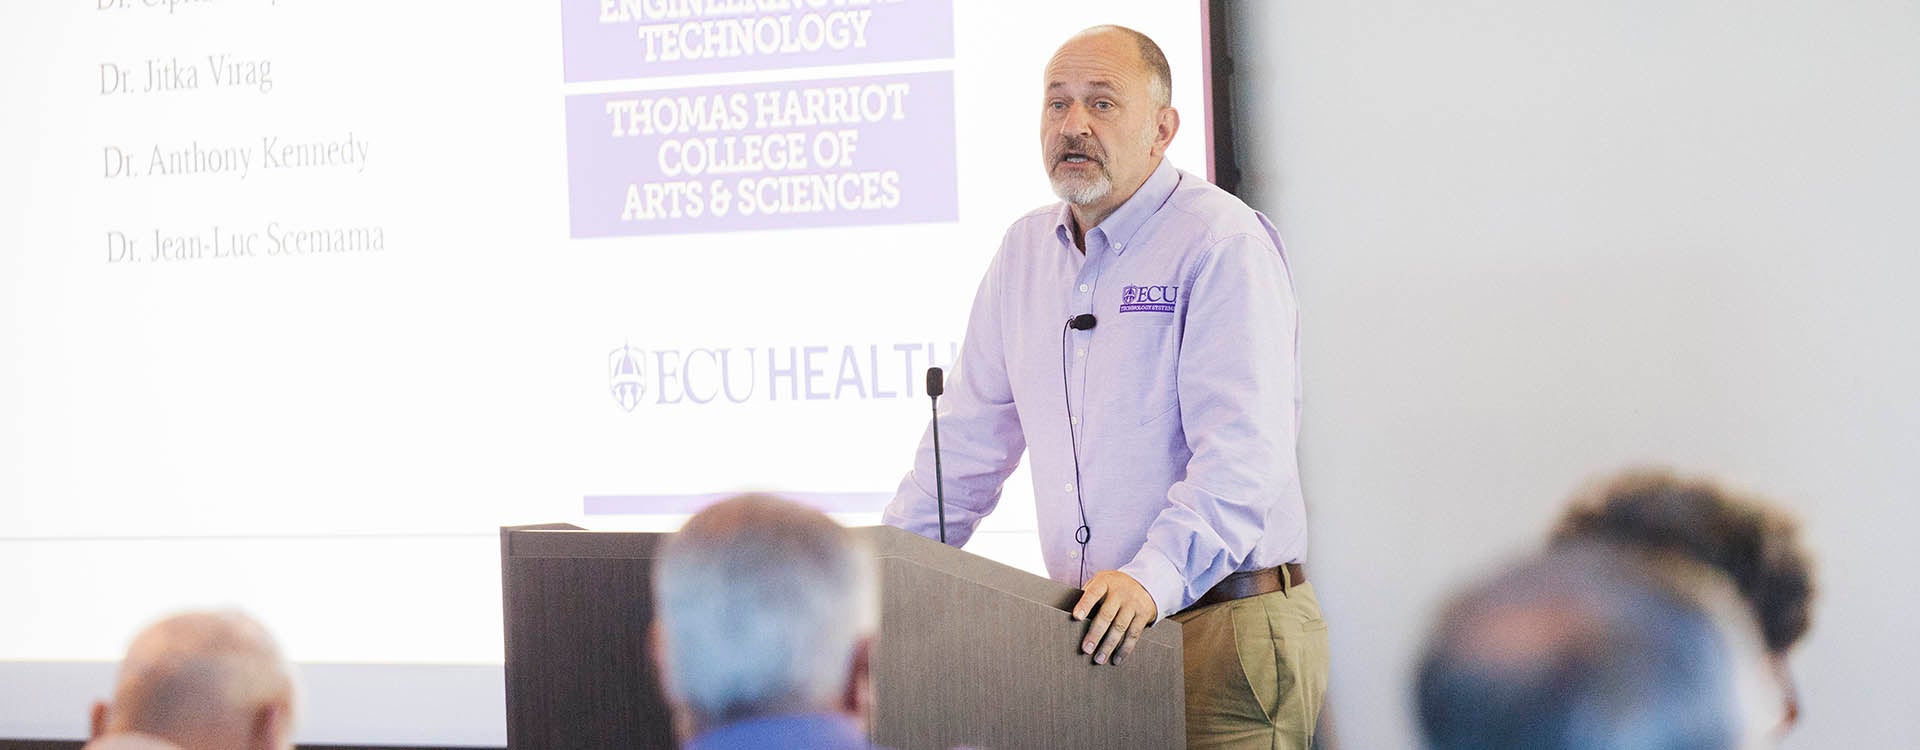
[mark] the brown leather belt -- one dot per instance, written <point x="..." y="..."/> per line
<point x="1252" y="583"/>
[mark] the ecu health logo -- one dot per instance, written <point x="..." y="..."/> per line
<point x="627" y="376"/>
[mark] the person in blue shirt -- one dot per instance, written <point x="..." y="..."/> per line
<point x="1138" y="340"/>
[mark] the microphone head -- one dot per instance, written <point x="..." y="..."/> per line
<point x="935" y="384"/>
<point x="1084" y="322"/>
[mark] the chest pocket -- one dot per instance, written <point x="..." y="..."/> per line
<point x="1135" y="367"/>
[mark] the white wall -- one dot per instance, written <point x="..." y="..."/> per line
<point x="1537" y="240"/>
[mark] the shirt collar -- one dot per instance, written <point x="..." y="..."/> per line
<point x="1120" y="226"/>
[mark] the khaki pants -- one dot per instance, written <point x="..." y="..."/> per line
<point x="1256" y="669"/>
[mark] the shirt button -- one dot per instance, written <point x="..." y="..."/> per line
<point x="1073" y="554"/>
<point x="1069" y="486"/>
<point x="1084" y="287"/>
<point x="1076" y="421"/>
<point x="1080" y="352"/>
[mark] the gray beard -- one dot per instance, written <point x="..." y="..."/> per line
<point x="1085" y="192"/>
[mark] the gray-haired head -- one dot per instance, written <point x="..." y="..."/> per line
<point x="764" y="606"/>
<point x="209" y="680"/>
<point x="1594" y="648"/>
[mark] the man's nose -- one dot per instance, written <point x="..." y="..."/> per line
<point x="1075" y="120"/>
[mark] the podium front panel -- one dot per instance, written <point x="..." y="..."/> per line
<point x="971" y="653"/>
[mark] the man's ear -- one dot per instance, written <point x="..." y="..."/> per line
<point x="1165" y="124"/>
<point x="1790" y="697"/>
<point x="657" y="648"/>
<point x="656" y="653"/>
<point x="272" y="727"/>
<point x="97" y="721"/>
<point x="857" y="700"/>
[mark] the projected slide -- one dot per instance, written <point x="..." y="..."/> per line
<point x="304" y="300"/>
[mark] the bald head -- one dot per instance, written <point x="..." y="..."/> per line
<point x="1151" y="61"/>
<point x="212" y="680"/>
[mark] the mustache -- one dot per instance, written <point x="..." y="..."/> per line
<point x="1074" y="144"/>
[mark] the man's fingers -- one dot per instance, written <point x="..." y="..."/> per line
<point x="1101" y="623"/>
<point x="1115" y="635"/>
<point x="1095" y="589"/>
<point x="1133" y="637"/>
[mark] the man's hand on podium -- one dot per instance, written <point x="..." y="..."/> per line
<point x="1126" y="610"/>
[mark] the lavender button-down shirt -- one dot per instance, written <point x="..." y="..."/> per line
<point x="1173" y="420"/>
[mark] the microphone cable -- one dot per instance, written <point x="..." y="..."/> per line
<point x="1083" y="534"/>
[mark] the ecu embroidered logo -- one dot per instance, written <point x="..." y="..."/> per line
<point x="1148" y="298"/>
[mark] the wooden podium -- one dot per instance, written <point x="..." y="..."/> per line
<point x="971" y="653"/>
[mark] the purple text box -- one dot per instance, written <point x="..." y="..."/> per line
<point x="618" y="39"/>
<point x="841" y="152"/>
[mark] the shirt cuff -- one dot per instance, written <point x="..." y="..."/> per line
<point x="1161" y="578"/>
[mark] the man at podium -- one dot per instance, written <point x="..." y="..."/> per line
<point x="1138" y="339"/>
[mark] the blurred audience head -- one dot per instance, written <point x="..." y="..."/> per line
<point x="1752" y="543"/>
<point x="1590" y="647"/>
<point x="199" y="681"/>
<point x="764" y="607"/>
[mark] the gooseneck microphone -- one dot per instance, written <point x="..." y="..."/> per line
<point x="935" y="387"/>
